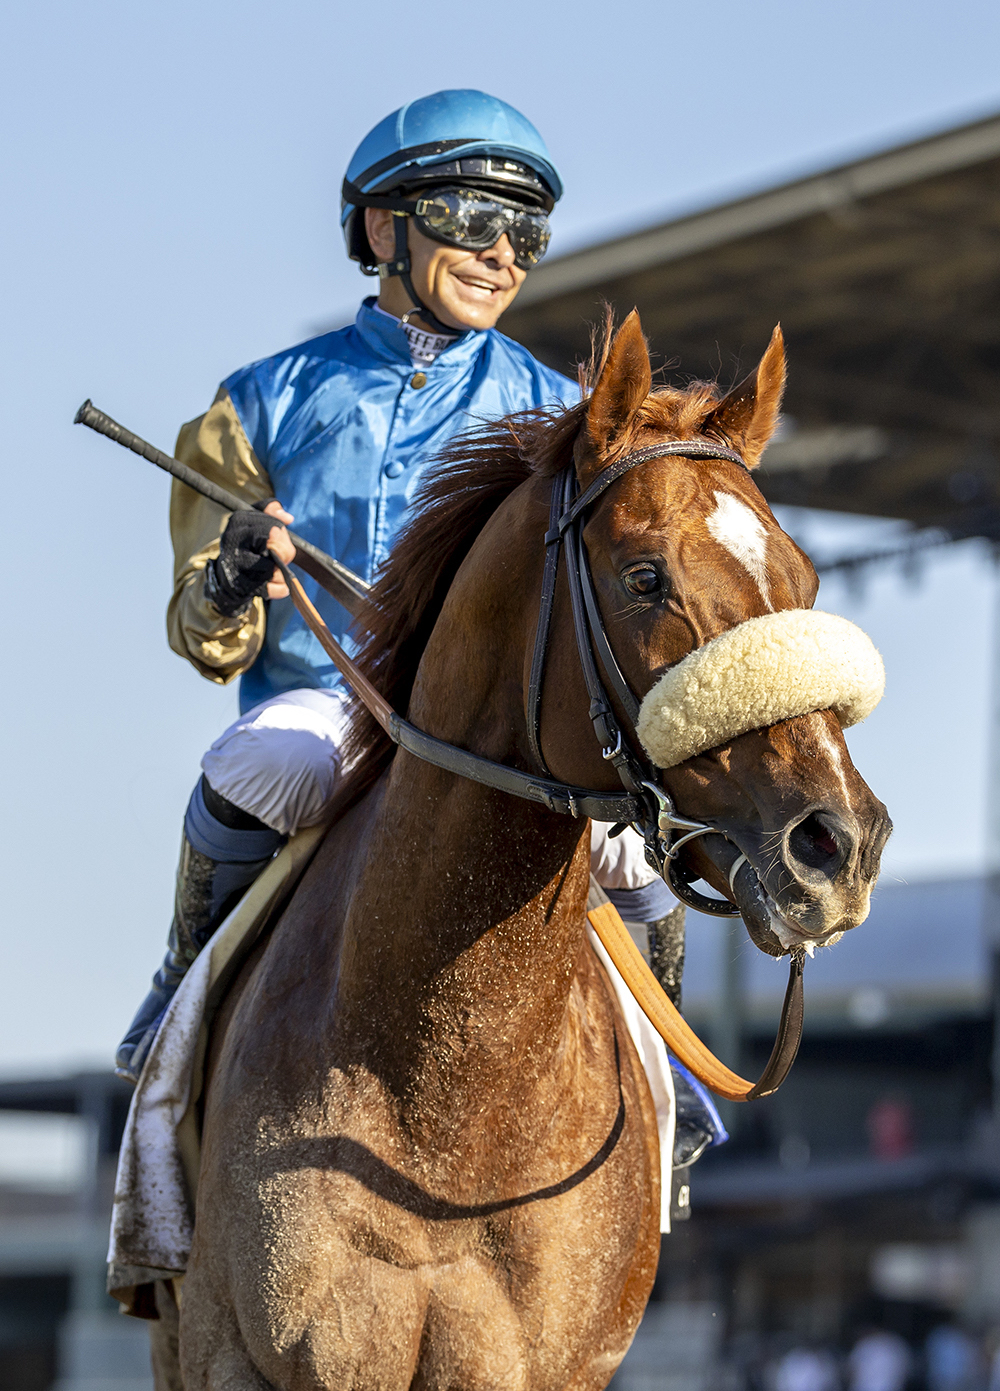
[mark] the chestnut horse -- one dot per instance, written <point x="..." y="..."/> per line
<point x="430" y="1156"/>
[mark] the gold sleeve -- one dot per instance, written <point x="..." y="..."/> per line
<point x="215" y="444"/>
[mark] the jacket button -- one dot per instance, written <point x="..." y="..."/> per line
<point x="393" y="469"/>
<point x="418" y="380"/>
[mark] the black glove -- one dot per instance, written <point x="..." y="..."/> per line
<point x="243" y="567"/>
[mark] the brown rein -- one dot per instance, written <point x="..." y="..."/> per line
<point x="606" y="921"/>
<point x="677" y="1033"/>
<point x="352" y="592"/>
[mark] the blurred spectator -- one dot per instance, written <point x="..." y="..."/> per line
<point x="890" y="1128"/>
<point x="879" y="1361"/>
<point x="952" y="1360"/>
<point x="806" y="1369"/>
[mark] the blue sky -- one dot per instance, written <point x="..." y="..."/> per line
<point x="171" y="178"/>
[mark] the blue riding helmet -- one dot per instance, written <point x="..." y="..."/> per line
<point x="459" y="137"/>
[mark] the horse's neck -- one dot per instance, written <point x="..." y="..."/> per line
<point x="469" y="908"/>
<point x="467" y="924"/>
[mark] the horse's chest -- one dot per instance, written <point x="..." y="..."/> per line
<point x="488" y="1304"/>
<point x="431" y="1281"/>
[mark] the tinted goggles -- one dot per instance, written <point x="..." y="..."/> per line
<point x="462" y="217"/>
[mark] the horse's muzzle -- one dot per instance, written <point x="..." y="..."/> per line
<point x="806" y="883"/>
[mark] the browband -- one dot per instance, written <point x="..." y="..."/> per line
<point x="394" y="202"/>
<point x="685" y="449"/>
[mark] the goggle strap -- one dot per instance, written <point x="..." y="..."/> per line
<point x="352" y="194"/>
<point x="408" y="206"/>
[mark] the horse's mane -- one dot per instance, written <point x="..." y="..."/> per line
<point x="471" y="477"/>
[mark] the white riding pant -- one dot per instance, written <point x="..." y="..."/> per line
<point x="281" y="760"/>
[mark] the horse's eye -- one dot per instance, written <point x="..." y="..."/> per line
<point x="642" y="582"/>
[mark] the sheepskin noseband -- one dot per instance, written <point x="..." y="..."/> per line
<point x="762" y="671"/>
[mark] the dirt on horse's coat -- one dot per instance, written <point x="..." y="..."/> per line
<point x="430" y="1154"/>
<point x="152" y="1220"/>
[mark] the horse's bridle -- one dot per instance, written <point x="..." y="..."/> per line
<point x="644" y="804"/>
<point x="665" y="832"/>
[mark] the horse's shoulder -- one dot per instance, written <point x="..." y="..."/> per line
<point x="302" y="934"/>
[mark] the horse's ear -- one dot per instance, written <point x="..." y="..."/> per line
<point x="746" y="418"/>
<point x="624" y="384"/>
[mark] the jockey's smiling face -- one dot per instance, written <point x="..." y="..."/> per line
<point x="463" y="288"/>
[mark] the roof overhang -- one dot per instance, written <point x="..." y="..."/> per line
<point x="885" y="275"/>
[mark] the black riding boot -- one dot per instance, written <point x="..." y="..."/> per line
<point x="666" y="952"/>
<point x="208" y="888"/>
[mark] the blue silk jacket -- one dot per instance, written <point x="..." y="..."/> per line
<point x="344" y="430"/>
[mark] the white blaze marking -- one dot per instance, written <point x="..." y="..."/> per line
<point x="824" y="737"/>
<point x="836" y="758"/>
<point x="738" y="528"/>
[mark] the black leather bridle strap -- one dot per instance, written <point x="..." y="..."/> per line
<point x="685" y="449"/>
<point x="599" y="637"/>
<point x="550" y="573"/>
<point x="557" y="796"/>
<point x="601" y="714"/>
<point x="567" y="513"/>
<point x="614" y="747"/>
<point x="636" y="776"/>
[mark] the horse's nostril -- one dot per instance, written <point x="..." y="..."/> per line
<point x="813" y="843"/>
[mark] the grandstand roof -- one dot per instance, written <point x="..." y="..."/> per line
<point x="885" y="275"/>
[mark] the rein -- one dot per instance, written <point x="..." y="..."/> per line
<point x="644" y="804"/>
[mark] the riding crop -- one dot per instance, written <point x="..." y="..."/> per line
<point x="346" y="587"/>
<point x="352" y="592"/>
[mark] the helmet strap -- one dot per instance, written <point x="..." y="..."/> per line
<point x="401" y="266"/>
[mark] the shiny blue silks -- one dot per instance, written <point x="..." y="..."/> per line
<point x="345" y="433"/>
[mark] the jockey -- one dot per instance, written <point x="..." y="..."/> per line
<point x="447" y="200"/>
